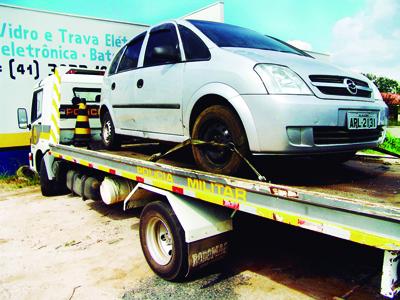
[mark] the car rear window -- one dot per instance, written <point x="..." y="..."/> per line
<point x="226" y="35"/>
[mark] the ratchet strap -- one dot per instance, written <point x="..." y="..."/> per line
<point x="231" y="146"/>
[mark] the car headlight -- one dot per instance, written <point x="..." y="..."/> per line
<point x="377" y="93"/>
<point x="281" y="80"/>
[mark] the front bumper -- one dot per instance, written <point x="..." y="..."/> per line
<point x="290" y="124"/>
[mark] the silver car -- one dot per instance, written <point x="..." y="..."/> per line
<point x="217" y="82"/>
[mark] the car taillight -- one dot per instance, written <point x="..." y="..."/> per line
<point x="30" y="156"/>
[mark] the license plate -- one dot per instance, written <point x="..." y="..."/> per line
<point x="362" y="120"/>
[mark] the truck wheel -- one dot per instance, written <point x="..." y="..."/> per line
<point x="47" y="186"/>
<point x="108" y="137"/>
<point x="163" y="241"/>
<point x="220" y="124"/>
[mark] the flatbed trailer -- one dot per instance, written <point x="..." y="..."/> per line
<point x="362" y="207"/>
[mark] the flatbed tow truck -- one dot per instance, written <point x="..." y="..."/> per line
<point x="187" y="216"/>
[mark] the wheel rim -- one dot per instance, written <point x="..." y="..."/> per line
<point x="217" y="131"/>
<point x="107" y="131"/>
<point x="159" y="241"/>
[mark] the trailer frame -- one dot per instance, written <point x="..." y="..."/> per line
<point x="355" y="220"/>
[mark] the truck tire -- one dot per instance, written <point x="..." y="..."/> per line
<point x="109" y="138"/>
<point x="163" y="241"/>
<point x="220" y="124"/>
<point x="47" y="186"/>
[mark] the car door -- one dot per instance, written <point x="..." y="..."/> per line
<point x="122" y="85"/>
<point x="159" y="84"/>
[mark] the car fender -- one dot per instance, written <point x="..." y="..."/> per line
<point x="105" y="104"/>
<point x="234" y="98"/>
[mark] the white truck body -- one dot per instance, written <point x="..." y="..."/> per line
<point x="70" y="83"/>
<point x="32" y="44"/>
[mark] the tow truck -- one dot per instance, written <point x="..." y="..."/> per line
<point x="186" y="221"/>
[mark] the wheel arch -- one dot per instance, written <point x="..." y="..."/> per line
<point x="103" y="110"/>
<point x="199" y="219"/>
<point x="219" y="93"/>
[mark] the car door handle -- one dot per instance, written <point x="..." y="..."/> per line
<point x="140" y="83"/>
<point x="113" y="86"/>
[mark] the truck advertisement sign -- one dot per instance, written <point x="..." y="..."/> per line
<point x="32" y="44"/>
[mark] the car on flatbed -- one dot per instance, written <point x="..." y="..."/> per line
<point x="222" y="83"/>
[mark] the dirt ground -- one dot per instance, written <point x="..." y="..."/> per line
<point x="64" y="248"/>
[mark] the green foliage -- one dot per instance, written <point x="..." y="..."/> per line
<point x="391" y="144"/>
<point x="16" y="182"/>
<point x="384" y="84"/>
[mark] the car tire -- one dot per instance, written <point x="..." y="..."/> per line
<point x="110" y="140"/>
<point x="163" y="241"/>
<point x="220" y="124"/>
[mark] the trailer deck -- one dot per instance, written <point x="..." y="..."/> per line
<point x="356" y="195"/>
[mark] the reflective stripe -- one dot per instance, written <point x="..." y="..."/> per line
<point x="55" y="104"/>
<point x="55" y="114"/>
<point x="82" y="130"/>
<point x="57" y="75"/>
<point x="55" y="123"/>
<point x="57" y="92"/>
<point x="82" y="118"/>
<point x="53" y="136"/>
<point x="44" y="136"/>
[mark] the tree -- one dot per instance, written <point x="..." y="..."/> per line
<point x="384" y="84"/>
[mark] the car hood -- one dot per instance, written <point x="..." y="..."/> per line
<point x="302" y="65"/>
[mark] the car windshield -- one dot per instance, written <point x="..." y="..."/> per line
<point x="225" y="35"/>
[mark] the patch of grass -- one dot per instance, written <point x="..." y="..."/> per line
<point x="391" y="144"/>
<point x="13" y="182"/>
<point x="370" y="151"/>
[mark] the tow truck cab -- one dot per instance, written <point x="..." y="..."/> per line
<point x="64" y="88"/>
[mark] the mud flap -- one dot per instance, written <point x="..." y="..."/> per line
<point x="204" y="252"/>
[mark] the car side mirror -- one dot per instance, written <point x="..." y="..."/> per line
<point x="76" y="100"/>
<point x="23" y="119"/>
<point x="167" y="52"/>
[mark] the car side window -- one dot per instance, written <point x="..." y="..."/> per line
<point x="114" y="64"/>
<point x="194" y="47"/>
<point x="36" y="111"/>
<point x="165" y="38"/>
<point x="130" y="58"/>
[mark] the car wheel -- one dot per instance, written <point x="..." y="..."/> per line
<point x="108" y="137"/>
<point x="220" y="124"/>
<point x="163" y="241"/>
